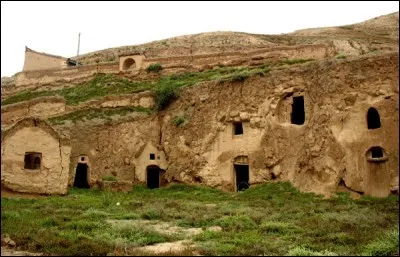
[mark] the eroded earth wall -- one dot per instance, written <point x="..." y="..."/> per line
<point x="307" y="124"/>
<point x="34" y="136"/>
<point x="329" y="149"/>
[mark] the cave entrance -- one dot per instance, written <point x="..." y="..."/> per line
<point x="378" y="176"/>
<point x="298" y="114"/>
<point x="241" y="171"/>
<point x="242" y="176"/>
<point x="81" y="176"/>
<point x="153" y="176"/>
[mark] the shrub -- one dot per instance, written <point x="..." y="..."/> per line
<point x="154" y="67"/>
<point x="240" y="77"/>
<point x="178" y="120"/>
<point x="165" y="93"/>
<point x="109" y="178"/>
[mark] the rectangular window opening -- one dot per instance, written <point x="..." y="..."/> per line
<point x="32" y="160"/>
<point x="152" y="156"/>
<point x="238" y="128"/>
<point x="377" y="152"/>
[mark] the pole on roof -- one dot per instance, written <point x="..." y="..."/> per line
<point x="77" y="54"/>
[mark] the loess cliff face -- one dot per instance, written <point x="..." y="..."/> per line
<point x="329" y="149"/>
<point x="326" y="119"/>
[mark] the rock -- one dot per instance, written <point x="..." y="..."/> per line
<point x="203" y="97"/>
<point x="146" y="102"/>
<point x="233" y="113"/>
<point x="315" y="148"/>
<point x="255" y="122"/>
<point x="221" y="126"/>
<point x="11" y="243"/>
<point x="6" y="240"/>
<point x="244" y="116"/>
<point x="215" y="229"/>
<point x="350" y="100"/>
<point x="126" y="161"/>
<point x="221" y="117"/>
<point x="382" y="92"/>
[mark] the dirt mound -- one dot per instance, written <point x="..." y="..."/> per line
<point x="385" y="26"/>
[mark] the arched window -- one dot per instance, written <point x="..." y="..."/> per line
<point x="373" y="119"/>
<point x="376" y="154"/>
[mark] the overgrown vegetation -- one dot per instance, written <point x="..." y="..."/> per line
<point x="340" y="56"/>
<point x="98" y="87"/>
<point x="178" y="120"/>
<point x="99" y="113"/>
<point x="156" y="67"/>
<point x="268" y="219"/>
<point x="109" y="178"/>
<point x="165" y="93"/>
<point x="165" y="88"/>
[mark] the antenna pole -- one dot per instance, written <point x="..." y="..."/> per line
<point x="77" y="54"/>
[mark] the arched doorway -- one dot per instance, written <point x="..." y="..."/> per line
<point x="81" y="176"/>
<point x="129" y="64"/>
<point x="373" y="119"/>
<point x="153" y="176"/>
<point x="378" y="178"/>
<point x="241" y="170"/>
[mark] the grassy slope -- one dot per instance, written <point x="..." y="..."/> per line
<point x="102" y="85"/>
<point x="269" y="219"/>
<point x="100" y="113"/>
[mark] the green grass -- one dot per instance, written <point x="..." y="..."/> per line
<point x="98" y="87"/>
<point x="385" y="245"/>
<point x="268" y="219"/>
<point x="89" y="114"/>
<point x="294" y="61"/>
<point x="302" y="251"/>
<point x="165" y="88"/>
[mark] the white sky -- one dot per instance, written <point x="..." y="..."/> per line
<point x="53" y="27"/>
